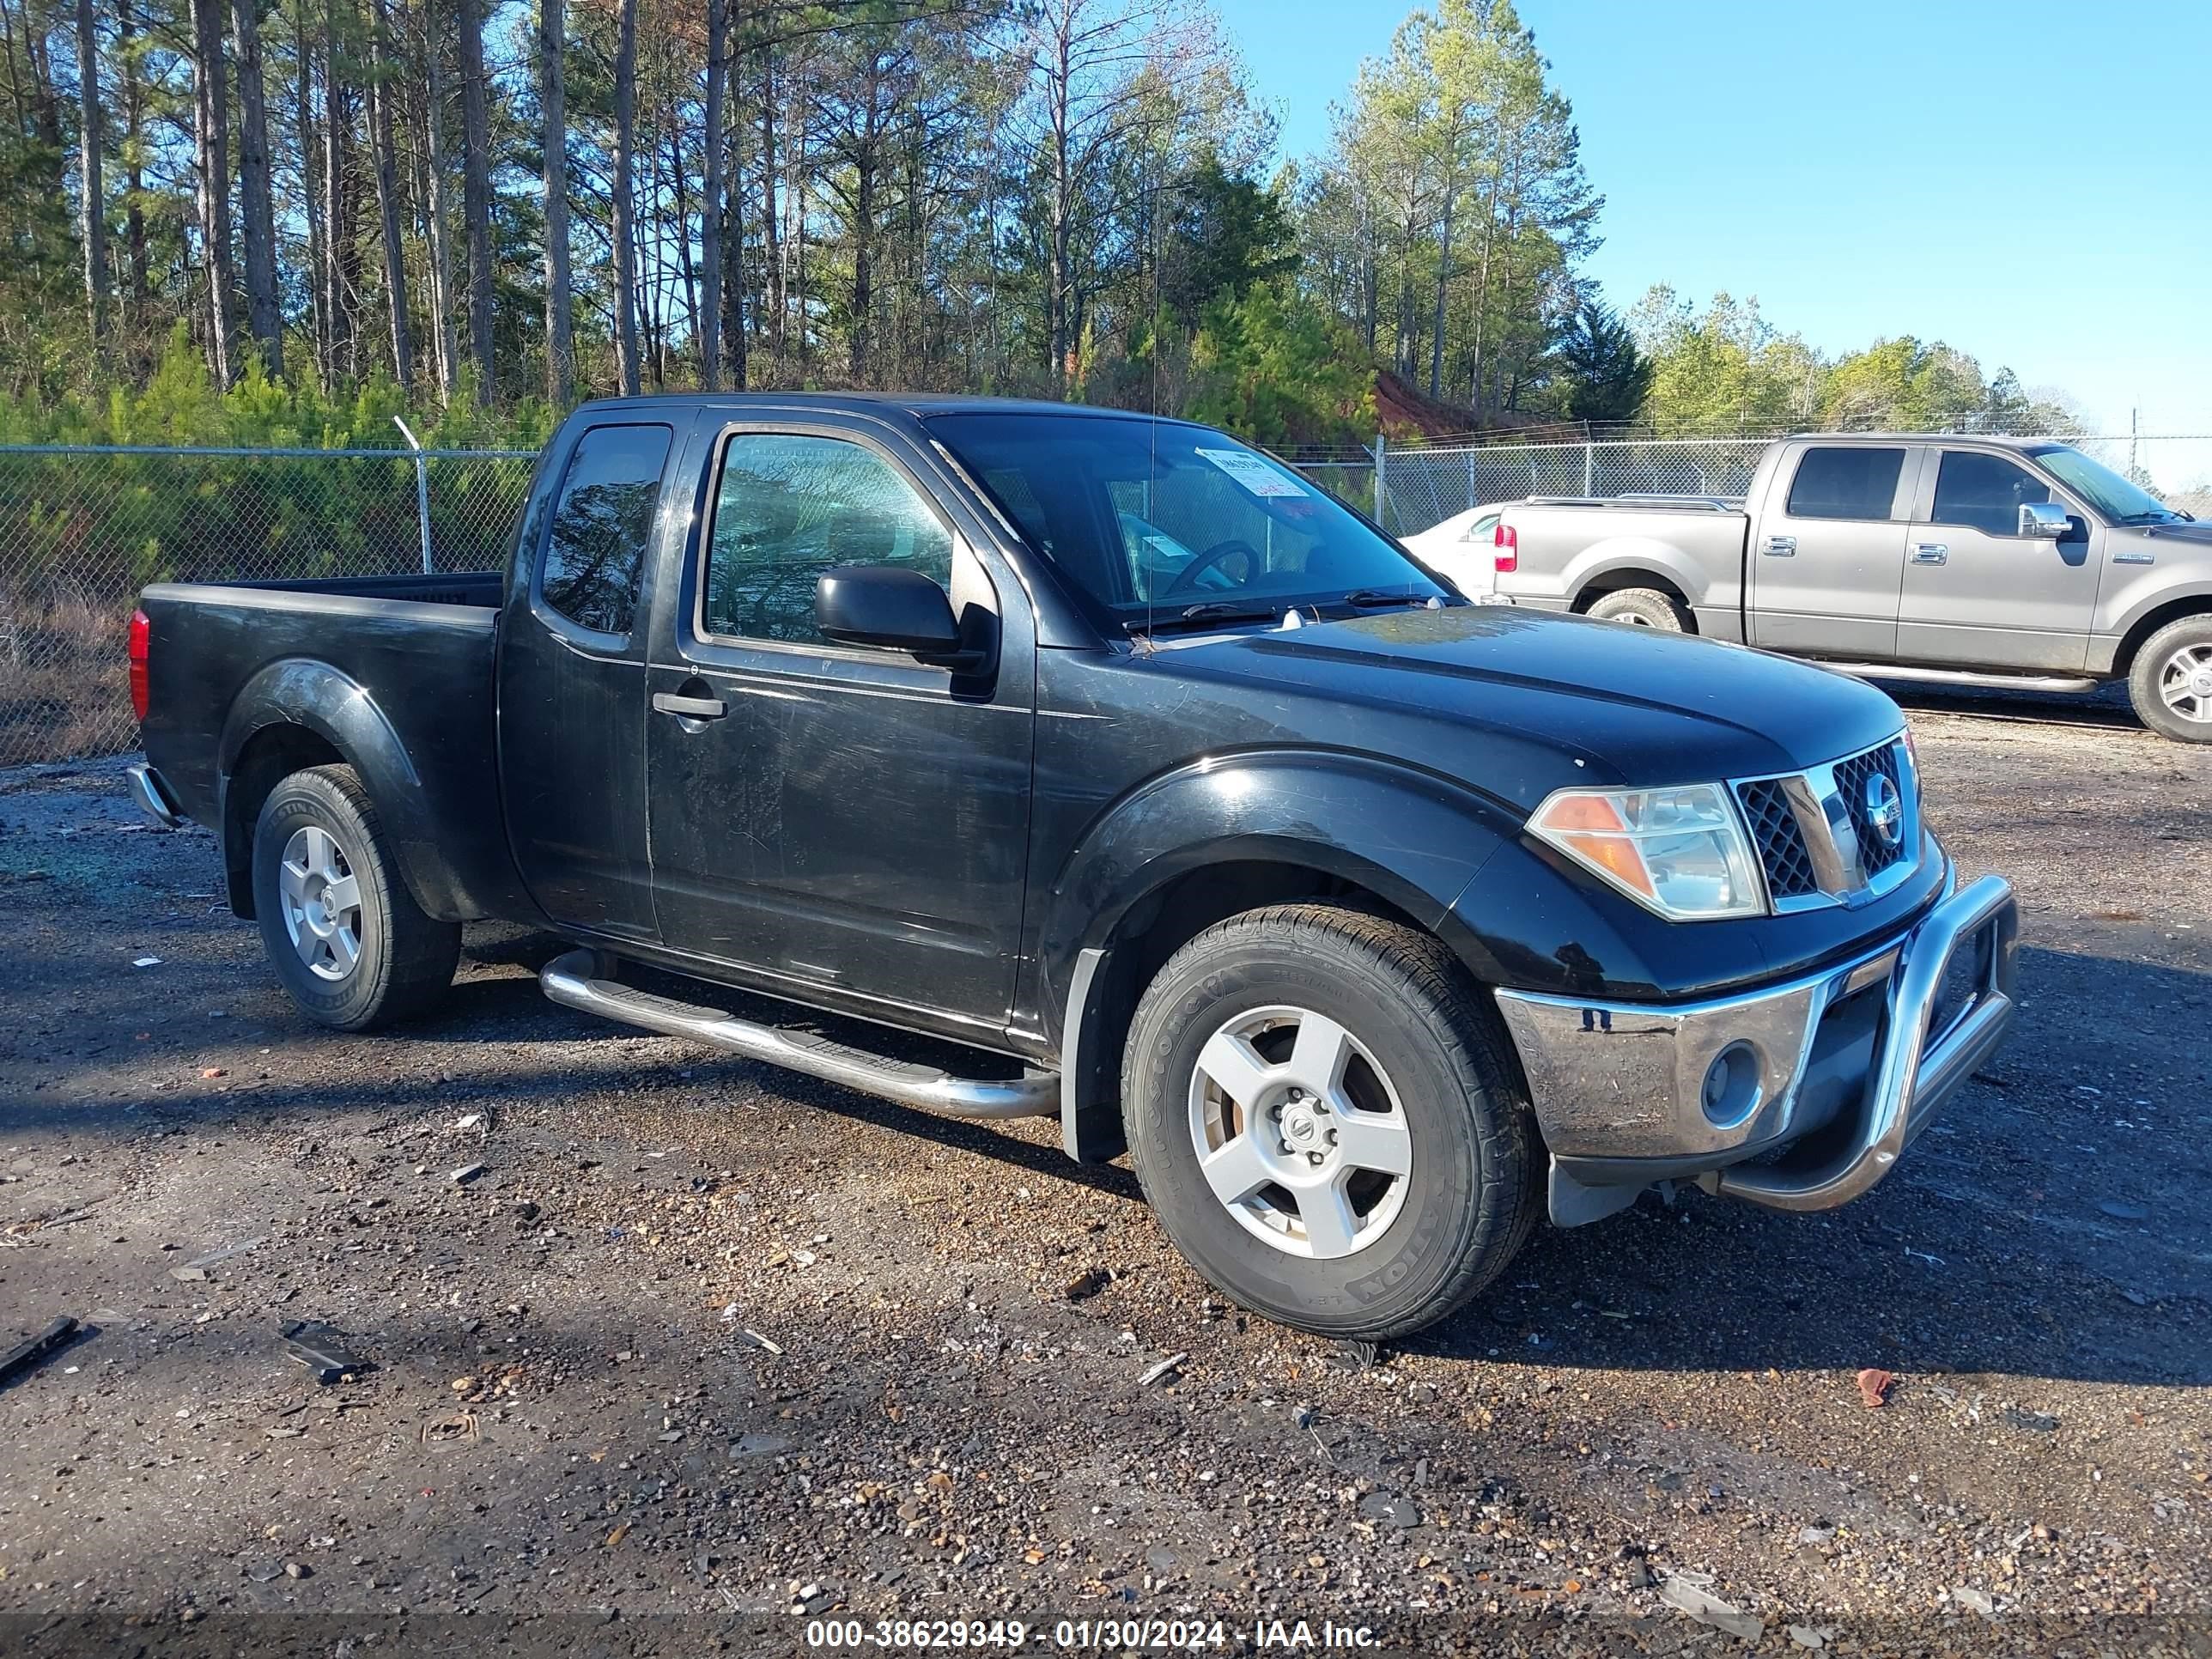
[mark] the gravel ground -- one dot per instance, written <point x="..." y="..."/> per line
<point x="705" y="1350"/>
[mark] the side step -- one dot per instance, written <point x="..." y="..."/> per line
<point x="575" y="980"/>
<point x="1869" y="671"/>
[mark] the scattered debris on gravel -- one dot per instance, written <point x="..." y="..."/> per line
<point x="518" y="1317"/>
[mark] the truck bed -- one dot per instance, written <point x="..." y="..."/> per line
<point x="1563" y="542"/>
<point x="477" y="588"/>
<point x="397" y="669"/>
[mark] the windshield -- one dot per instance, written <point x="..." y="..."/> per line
<point x="2117" y="499"/>
<point x="1151" y="517"/>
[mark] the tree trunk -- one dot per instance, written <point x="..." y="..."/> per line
<point x="710" y="198"/>
<point x="772" y="272"/>
<point x="730" y="285"/>
<point x="337" y="213"/>
<point x="134" y="216"/>
<point x="303" y="121"/>
<point x="1482" y="278"/>
<point x="625" y="248"/>
<point x="387" y="196"/>
<point x="93" y="217"/>
<point x="1443" y="288"/>
<point x="552" y="88"/>
<point x="264" y="315"/>
<point x="863" y="238"/>
<point x="1063" y="210"/>
<point x="212" y="153"/>
<point x="434" y="207"/>
<point x="475" y="194"/>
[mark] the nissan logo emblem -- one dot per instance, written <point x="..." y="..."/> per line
<point x="1885" y="810"/>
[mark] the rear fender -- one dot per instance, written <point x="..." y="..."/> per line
<point x="313" y="696"/>
<point x="1645" y="555"/>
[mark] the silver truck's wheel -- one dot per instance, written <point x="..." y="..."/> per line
<point x="347" y="939"/>
<point x="2172" y="683"/>
<point x="1641" y="607"/>
<point x="1321" y="1113"/>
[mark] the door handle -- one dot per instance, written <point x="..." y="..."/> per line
<point x="1930" y="553"/>
<point x="1781" y="547"/>
<point x="690" y="708"/>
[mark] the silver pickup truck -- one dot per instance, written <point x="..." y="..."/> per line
<point x="1999" y="561"/>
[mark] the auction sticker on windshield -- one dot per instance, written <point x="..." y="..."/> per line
<point x="1254" y="474"/>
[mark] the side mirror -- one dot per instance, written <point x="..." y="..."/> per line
<point x="2046" y="520"/>
<point x="886" y="605"/>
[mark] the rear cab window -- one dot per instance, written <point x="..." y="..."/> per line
<point x="593" y="565"/>
<point x="1846" y="481"/>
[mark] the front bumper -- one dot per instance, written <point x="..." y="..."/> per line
<point x="1831" y="1075"/>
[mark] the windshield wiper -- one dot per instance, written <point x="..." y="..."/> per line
<point x="1197" y="616"/>
<point x="1366" y="596"/>
<point x="2161" y="516"/>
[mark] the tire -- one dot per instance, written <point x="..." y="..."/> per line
<point x="1641" y="607"/>
<point x="2170" y="684"/>
<point x="351" y="958"/>
<point x="1423" y="1075"/>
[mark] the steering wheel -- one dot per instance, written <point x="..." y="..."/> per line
<point x="1187" y="576"/>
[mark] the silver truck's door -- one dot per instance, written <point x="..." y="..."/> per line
<point x="1828" y="551"/>
<point x="1977" y="593"/>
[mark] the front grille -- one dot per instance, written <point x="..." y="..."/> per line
<point x="1796" y="821"/>
<point x="1781" y="842"/>
<point x="1875" y="854"/>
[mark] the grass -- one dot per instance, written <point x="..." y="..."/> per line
<point x="64" y="677"/>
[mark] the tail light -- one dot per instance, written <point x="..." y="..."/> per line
<point x="1507" y="544"/>
<point x="141" y="630"/>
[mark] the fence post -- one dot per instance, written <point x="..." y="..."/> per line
<point x="1589" y="452"/>
<point x="1381" y="489"/>
<point x="422" y="489"/>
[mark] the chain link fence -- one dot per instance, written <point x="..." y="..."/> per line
<point x="82" y="530"/>
<point x="1408" y="488"/>
<point x="1422" y="487"/>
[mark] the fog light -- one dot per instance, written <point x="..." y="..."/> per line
<point x="1731" y="1090"/>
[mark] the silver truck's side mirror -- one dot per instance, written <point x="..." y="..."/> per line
<point x="2046" y="521"/>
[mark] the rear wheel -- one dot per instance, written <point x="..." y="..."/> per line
<point x="345" y="937"/>
<point x="1323" y="1117"/>
<point x="1641" y="607"/>
<point x="2170" y="686"/>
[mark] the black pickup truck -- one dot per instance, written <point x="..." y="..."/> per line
<point x="1369" y="921"/>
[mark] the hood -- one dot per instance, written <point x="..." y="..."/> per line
<point x="2196" y="533"/>
<point x="1602" y="702"/>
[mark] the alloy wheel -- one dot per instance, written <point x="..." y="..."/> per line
<point x="1299" y="1133"/>
<point x="2185" y="684"/>
<point x="322" y="902"/>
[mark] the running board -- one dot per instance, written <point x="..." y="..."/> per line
<point x="1868" y="671"/>
<point x="575" y="980"/>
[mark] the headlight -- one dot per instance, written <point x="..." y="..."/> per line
<point x="1680" y="852"/>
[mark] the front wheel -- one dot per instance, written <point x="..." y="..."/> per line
<point x="353" y="949"/>
<point x="2170" y="686"/>
<point x="1324" y="1119"/>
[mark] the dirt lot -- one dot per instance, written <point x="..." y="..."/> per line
<point x="703" y="1343"/>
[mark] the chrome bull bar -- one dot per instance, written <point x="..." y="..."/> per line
<point x="1916" y="1069"/>
<point x="1798" y="1096"/>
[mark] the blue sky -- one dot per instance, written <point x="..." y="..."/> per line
<point x="2031" y="182"/>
